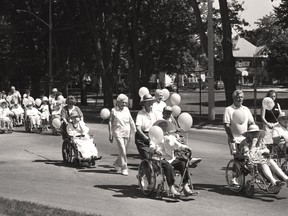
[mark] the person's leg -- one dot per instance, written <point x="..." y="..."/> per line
<point x="267" y="172"/>
<point x="121" y="160"/>
<point x="180" y="166"/>
<point x="142" y="147"/>
<point x="276" y="169"/>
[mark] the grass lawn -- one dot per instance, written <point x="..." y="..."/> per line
<point x="23" y="208"/>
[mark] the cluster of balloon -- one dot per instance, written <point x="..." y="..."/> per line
<point x="156" y="134"/>
<point x="175" y="99"/>
<point x="268" y="103"/>
<point x="61" y="99"/>
<point x="56" y="122"/>
<point x="105" y="113"/>
<point x="143" y="91"/>
<point x="38" y="102"/>
<point x="239" y="117"/>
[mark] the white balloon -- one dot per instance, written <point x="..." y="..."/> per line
<point x="8" y="98"/>
<point x="143" y="91"/>
<point x="56" y="122"/>
<point x="239" y="117"/>
<point x="166" y="94"/>
<point x="38" y="101"/>
<point x="156" y="134"/>
<point x="175" y="99"/>
<point x="268" y="103"/>
<point x="185" y="121"/>
<point x="105" y="113"/>
<point x="25" y="101"/>
<point x="176" y="110"/>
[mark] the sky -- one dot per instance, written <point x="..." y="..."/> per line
<point x="255" y="9"/>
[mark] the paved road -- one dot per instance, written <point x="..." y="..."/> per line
<point x="31" y="169"/>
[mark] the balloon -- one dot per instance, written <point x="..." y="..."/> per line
<point x="105" y="113"/>
<point x="38" y="101"/>
<point x="156" y="134"/>
<point x="239" y="117"/>
<point x="60" y="98"/>
<point x="25" y="101"/>
<point x="175" y="99"/>
<point x="176" y="110"/>
<point x="268" y="103"/>
<point x="56" y="123"/>
<point x="166" y="94"/>
<point x="143" y="91"/>
<point x="185" y="121"/>
<point x="8" y="98"/>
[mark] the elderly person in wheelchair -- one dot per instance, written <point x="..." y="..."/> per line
<point x="280" y="133"/>
<point x="165" y="151"/>
<point x="254" y="148"/>
<point x="78" y="133"/>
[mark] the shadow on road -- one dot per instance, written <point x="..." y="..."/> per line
<point x="61" y="163"/>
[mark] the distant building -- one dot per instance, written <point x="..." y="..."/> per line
<point x="250" y="60"/>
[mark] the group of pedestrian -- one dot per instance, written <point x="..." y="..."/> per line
<point x="249" y="140"/>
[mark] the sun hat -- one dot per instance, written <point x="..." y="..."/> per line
<point x="74" y="114"/>
<point x="3" y="101"/>
<point x="54" y="90"/>
<point x="165" y="125"/>
<point x="252" y="128"/>
<point x="147" y="98"/>
<point x="167" y="109"/>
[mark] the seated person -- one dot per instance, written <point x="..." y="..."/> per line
<point x="45" y="113"/>
<point x="5" y="114"/>
<point x="165" y="149"/>
<point x="18" y="112"/>
<point x="254" y="147"/>
<point x="56" y="110"/>
<point x="280" y="133"/>
<point x="34" y="115"/>
<point x="78" y="131"/>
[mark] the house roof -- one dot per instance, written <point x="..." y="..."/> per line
<point x="243" y="48"/>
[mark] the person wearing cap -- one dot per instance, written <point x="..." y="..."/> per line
<point x="52" y="97"/>
<point x="165" y="150"/>
<point x="15" y="95"/>
<point x="234" y="130"/>
<point x="159" y="104"/>
<point x="34" y="115"/>
<point x="254" y="147"/>
<point x="280" y="133"/>
<point x="45" y="113"/>
<point x="67" y="110"/>
<point x="144" y="121"/>
<point x="121" y="125"/>
<point x="5" y="116"/>
<point x="78" y="131"/>
<point x="269" y="117"/>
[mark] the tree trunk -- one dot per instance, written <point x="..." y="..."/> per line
<point x="229" y="70"/>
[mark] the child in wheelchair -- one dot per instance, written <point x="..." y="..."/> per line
<point x="166" y="153"/>
<point x="78" y="132"/>
<point x="254" y="148"/>
<point x="6" y="123"/>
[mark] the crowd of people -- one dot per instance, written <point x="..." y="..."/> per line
<point x="244" y="137"/>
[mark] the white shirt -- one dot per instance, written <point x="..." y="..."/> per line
<point x="236" y="129"/>
<point x="80" y="129"/>
<point x="145" y="120"/>
<point x="280" y="131"/>
<point x="122" y="122"/>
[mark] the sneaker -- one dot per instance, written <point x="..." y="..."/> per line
<point x="187" y="190"/>
<point x="277" y="187"/>
<point x="173" y="191"/>
<point x="234" y="181"/>
<point x="125" y="172"/>
<point x="194" y="161"/>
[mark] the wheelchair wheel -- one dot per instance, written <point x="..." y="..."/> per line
<point x="146" y="177"/>
<point x="284" y="167"/>
<point x="68" y="151"/>
<point x="235" y="178"/>
<point x="261" y="182"/>
<point x="249" y="188"/>
<point x="159" y="191"/>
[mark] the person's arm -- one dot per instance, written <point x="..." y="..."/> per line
<point x="110" y="126"/>
<point x="263" y="112"/>
<point x="132" y="123"/>
<point x="250" y="117"/>
<point x="84" y="129"/>
<point x="229" y="133"/>
<point x="140" y="132"/>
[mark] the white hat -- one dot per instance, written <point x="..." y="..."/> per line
<point x="44" y="98"/>
<point x="54" y="90"/>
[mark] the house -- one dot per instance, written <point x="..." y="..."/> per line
<point x="250" y="62"/>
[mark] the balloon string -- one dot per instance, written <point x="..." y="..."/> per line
<point x="102" y="121"/>
<point x="187" y="138"/>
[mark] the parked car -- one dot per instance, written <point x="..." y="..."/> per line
<point x="219" y="84"/>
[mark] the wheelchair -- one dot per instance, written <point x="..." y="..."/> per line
<point x="72" y="156"/>
<point x="239" y="169"/>
<point x="280" y="155"/>
<point x="31" y="128"/>
<point x="6" y="126"/>
<point x="151" y="170"/>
